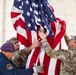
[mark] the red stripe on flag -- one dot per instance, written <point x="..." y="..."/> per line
<point x="20" y="23"/>
<point x="29" y="36"/>
<point x="16" y="24"/>
<point x="57" y="69"/>
<point x="14" y="14"/>
<point x="51" y="39"/>
<point x="34" y="56"/>
<point x="22" y="39"/>
<point x="59" y="36"/>
<point x="46" y="63"/>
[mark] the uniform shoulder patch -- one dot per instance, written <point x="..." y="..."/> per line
<point x="9" y="66"/>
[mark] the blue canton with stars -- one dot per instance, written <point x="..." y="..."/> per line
<point x="36" y="12"/>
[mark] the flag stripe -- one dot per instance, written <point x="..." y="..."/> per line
<point x="52" y="66"/>
<point x="21" y="20"/>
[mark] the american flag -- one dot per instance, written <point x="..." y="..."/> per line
<point x="36" y="12"/>
<point x="25" y="15"/>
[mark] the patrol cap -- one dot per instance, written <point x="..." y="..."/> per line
<point x="13" y="40"/>
<point x="8" y="47"/>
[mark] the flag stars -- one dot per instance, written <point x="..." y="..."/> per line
<point x="36" y="12"/>
<point x="30" y="9"/>
<point x="46" y="19"/>
<point x="26" y="2"/>
<point x="32" y="20"/>
<point x="45" y="27"/>
<point x="33" y="4"/>
<point x="42" y="20"/>
<point x="39" y="20"/>
<point x="52" y="16"/>
<point x="46" y="15"/>
<point x="22" y="3"/>
<point x="48" y="5"/>
<point x="28" y="14"/>
<point x="41" y="5"/>
<point x="20" y="7"/>
<point x="29" y="25"/>
<point x="36" y="6"/>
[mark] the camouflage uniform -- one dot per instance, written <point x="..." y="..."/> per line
<point x="66" y="38"/>
<point x="16" y="58"/>
<point x="19" y="57"/>
<point x="68" y="58"/>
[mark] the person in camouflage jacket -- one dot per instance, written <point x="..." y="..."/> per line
<point x="19" y="57"/>
<point x="68" y="57"/>
<point x="70" y="41"/>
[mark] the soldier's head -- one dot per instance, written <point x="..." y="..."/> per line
<point x="15" y="43"/>
<point x="72" y="43"/>
<point x="7" y="49"/>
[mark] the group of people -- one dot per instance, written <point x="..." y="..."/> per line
<point x="67" y="57"/>
<point x="27" y="23"/>
<point x="13" y="60"/>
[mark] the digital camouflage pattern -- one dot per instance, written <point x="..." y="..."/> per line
<point x="19" y="57"/>
<point x="68" y="58"/>
<point x="66" y="38"/>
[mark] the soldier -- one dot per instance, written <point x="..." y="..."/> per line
<point x="70" y="42"/>
<point x="68" y="57"/>
<point x="6" y="65"/>
<point x="15" y="43"/>
<point x="20" y="56"/>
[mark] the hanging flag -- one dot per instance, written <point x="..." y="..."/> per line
<point x="36" y="12"/>
<point x="26" y="15"/>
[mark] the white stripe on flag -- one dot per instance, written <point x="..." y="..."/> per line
<point x="15" y="19"/>
<point x="33" y="35"/>
<point x="14" y="9"/>
<point x="21" y="31"/>
<point x="41" y="56"/>
<point x="52" y="66"/>
<point x="29" y="58"/>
